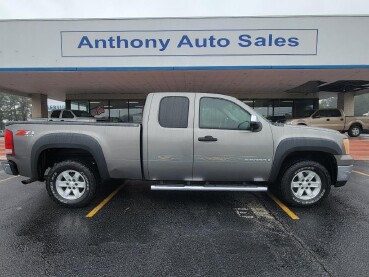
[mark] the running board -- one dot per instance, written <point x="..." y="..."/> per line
<point x="208" y="188"/>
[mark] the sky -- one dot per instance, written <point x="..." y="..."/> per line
<point x="28" y="9"/>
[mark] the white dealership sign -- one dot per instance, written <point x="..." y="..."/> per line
<point x="184" y="43"/>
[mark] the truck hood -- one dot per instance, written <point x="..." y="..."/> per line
<point x="285" y="130"/>
<point x="296" y="120"/>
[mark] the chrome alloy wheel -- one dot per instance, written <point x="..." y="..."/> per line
<point x="306" y="185"/>
<point x="70" y="184"/>
<point x="355" y="131"/>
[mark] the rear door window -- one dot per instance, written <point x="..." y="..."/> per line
<point x="67" y="114"/>
<point x="321" y="113"/>
<point x="335" y="113"/>
<point x="173" y="112"/>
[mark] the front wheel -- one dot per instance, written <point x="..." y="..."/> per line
<point x="305" y="183"/>
<point x="354" y="131"/>
<point x="71" y="184"/>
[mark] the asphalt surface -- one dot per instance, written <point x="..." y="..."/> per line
<point x="153" y="233"/>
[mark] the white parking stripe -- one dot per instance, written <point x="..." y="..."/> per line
<point x="8" y="178"/>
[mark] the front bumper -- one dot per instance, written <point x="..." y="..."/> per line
<point x="344" y="172"/>
<point x="345" y="164"/>
<point x="10" y="168"/>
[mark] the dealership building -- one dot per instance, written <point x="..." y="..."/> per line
<point x="280" y="66"/>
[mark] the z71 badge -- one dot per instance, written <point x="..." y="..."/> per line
<point x="25" y="133"/>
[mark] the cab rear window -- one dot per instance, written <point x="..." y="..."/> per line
<point x="173" y="112"/>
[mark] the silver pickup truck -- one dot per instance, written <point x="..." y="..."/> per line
<point x="187" y="141"/>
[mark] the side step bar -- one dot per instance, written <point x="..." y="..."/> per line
<point x="208" y="188"/>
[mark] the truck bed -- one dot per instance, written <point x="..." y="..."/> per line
<point x="119" y="142"/>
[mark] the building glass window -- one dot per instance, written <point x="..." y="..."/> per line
<point x="264" y="107"/>
<point x="136" y="110"/>
<point x="100" y="109"/>
<point x="301" y="107"/>
<point x="283" y="109"/>
<point x="131" y="110"/>
<point x="280" y="109"/>
<point x="119" y="111"/>
<point x="80" y="105"/>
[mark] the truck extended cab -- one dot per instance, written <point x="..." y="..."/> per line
<point x="187" y="141"/>
<point x="333" y="119"/>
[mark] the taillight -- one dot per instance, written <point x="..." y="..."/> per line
<point x="9" y="144"/>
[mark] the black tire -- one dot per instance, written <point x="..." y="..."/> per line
<point x="355" y="130"/>
<point x="86" y="179"/>
<point x="302" y="167"/>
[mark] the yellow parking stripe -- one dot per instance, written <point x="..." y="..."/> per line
<point x="8" y="178"/>
<point x="284" y="207"/>
<point x="104" y="202"/>
<point x="361" y="173"/>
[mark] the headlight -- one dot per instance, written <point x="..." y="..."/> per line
<point x="346" y="146"/>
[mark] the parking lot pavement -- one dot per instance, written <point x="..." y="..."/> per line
<point x="142" y="232"/>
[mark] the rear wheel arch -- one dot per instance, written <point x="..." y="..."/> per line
<point x="352" y="129"/>
<point x="69" y="146"/>
<point x="71" y="183"/>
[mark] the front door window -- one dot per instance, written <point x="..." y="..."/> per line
<point x="218" y="113"/>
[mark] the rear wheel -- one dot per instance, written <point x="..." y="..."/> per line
<point x="71" y="183"/>
<point x="354" y="131"/>
<point x="305" y="183"/>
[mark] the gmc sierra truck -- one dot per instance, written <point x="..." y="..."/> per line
<point x="187" y="141"/>
<point x="334" y="119"/>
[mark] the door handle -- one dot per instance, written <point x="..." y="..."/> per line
<point x="341" y="119"/>
<point x="328" y="119"/>
<point x="207" y="138"/>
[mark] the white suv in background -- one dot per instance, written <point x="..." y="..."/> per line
<point x="71" y="115"/>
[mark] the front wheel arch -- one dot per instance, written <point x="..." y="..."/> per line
<point x="319" y="149"/>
